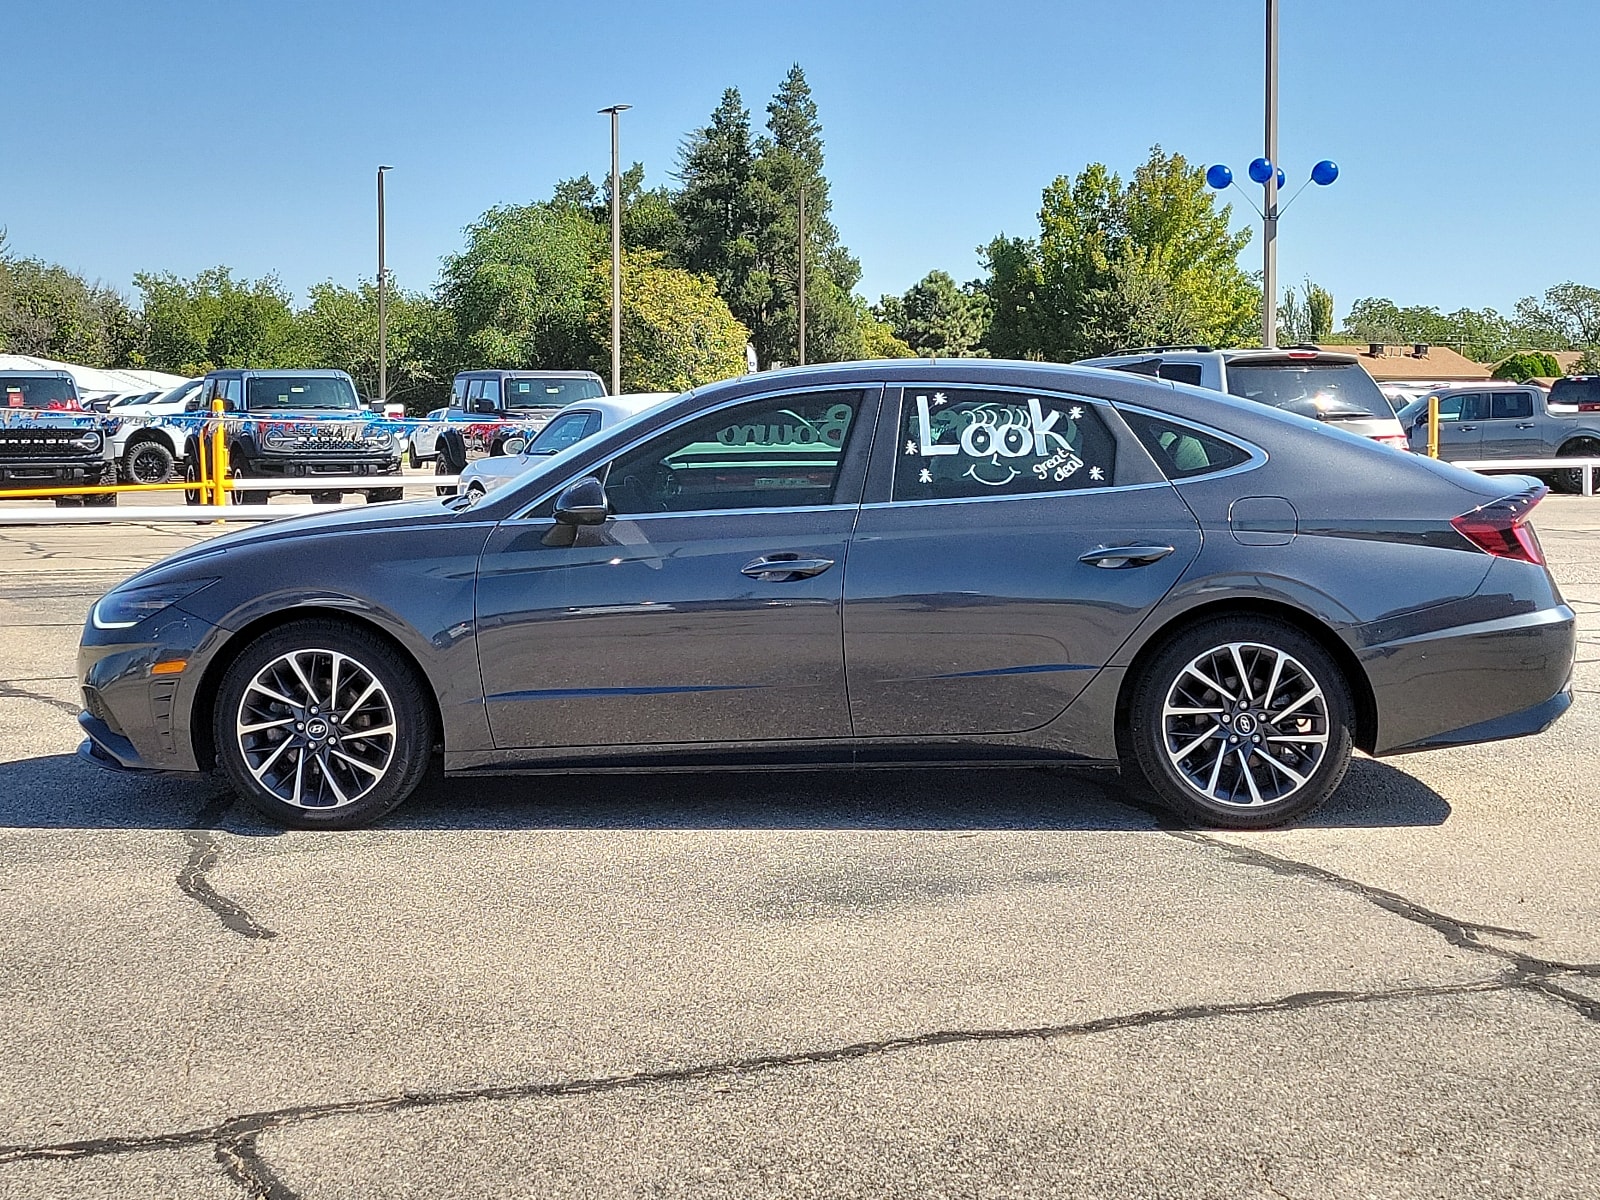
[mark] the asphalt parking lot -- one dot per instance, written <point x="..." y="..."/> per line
<point x="1007" y="983"/>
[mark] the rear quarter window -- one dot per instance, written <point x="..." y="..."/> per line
<point x="1181" y="451"/>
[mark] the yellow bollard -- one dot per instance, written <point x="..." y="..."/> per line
<point x="219" y="454"/>
<point x="1433" y="427"/>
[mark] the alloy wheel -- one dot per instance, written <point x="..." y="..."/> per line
<point x="316" y="729"/>
<point x="1245" y="725"/>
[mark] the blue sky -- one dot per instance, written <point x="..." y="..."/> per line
<point x="176" y="135"/>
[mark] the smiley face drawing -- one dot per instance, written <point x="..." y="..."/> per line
<point x="994" y="432"/>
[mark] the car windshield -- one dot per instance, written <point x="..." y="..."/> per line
<point x="39" y="391"/>
<point x="1323" y="391"/>
<point x="1409" y="414"/>
<point x="181" y="392"/>
<point x="550" y="393"/>
<point x="320" y="392"/>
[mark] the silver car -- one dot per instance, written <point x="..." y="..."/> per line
<point x="567" y="428"/>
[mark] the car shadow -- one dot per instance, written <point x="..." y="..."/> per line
<point x="63" y="792"/>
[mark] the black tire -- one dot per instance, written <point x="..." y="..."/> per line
<point x="379" y="495"/>
<point x="321" y="753"/>
<point x="191" y="474"/>
<point x="1570" y="480"/>
<point x="147" y="461"/>
<point x="441" y="466"/>
<point x="101" y="500"/>
<point x="69" y="501"/>
<point x="1249" y="783"/>
<point x="326" y="497"/>
<point x="412" y="457"/>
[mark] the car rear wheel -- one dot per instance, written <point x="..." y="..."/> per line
<point x="1570" y="479"/>
<point x="322" y="726"/>
<point x="379" y="495"/>
<point x="1241" y="722"/>
<point x="147" y="462"/>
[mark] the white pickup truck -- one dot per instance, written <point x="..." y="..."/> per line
<point x="146" y="449"/>
<point x="1482" y="421"/>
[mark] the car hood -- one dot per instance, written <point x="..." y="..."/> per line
<point x="211" y="557"/>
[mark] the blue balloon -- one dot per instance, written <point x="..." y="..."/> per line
<point x="1325" y="172"/>
<point x="1218" y="176"/>
<point x="1280" y="177"/>
<point x="1261" y="170"/>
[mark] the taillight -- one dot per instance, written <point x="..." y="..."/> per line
<point x="1398" y="441"/>
<point x="1502" y="528"/>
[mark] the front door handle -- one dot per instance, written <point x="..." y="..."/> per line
<point x="1114" y="558"/>
<point x="785" y="568"/>
<point x="1524" y="424"/>
<point x="1467" y="428"/>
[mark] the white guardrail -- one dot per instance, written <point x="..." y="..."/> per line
<point x="189" y="514"/>
<point x="1493" y="466"/>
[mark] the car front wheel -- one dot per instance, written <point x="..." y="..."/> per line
<point x="1241" y="722"/>
<point x="323" y="726"/>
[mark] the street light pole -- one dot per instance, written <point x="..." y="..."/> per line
<point x="616" y="110"/>
<point x="383" y="310"/>
<point x="802" y="240"/>
<point x="1269" y="224"/>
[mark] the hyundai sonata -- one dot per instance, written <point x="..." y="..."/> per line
<point x="865" y="564"/>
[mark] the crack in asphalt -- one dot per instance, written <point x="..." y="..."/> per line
<point x="204" y="853"/>
<point x="235" y="1141"/>
<point x="9" y="691"/>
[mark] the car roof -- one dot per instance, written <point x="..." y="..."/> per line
<point x="24" y="373"/>
<point x="274" y="372"/>
<point x="531" y="373"/>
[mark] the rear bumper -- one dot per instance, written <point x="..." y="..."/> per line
<point x="1509" y="676"/>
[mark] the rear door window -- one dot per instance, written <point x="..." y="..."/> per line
<point x="1510" y="406"/>
<point x="970" y="444"/>
<point x="1321" y="391"/>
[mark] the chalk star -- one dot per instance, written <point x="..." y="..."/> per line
<point x="926" y="476"/>
<point x="1096" y="473"/>
<point x="1074" y="413"/>
<point x="938" y="397"/>
<point x="911" y="447"/>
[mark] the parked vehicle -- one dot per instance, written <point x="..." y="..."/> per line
<point x="148" y="449"/>
<point x="496" y="412"/>
<point x="48" y="440"/>
<point x="1334" y="388"/>
<point x="567" y="428"/>
<point x="961" y="562"/>
<point x="1510" y="420"/>
<point x="295" y="426"/>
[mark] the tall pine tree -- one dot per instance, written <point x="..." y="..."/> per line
<point x="716" y="206"/>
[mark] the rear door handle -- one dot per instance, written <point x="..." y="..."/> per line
<point x="784" y="568"/>
<point x="1114" y="558"/>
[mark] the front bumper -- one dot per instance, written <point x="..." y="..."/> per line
<point x="140" y="720"/>
<point x="292" y="469"/>
<point x="23" y="471"/>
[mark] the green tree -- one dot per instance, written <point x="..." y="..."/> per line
<point x="518" y="294"/>
<point x="677" y="333"/>
<point x="51" y="312"/>
<point x="339" y="329"/>
<point x="878" y="341"/>
<point x="1307" y="318"/>
<point x="716" y="205"/>
<point x="1566" y="318"/>
<point x="1115" y="261"/>
<point x="935" y="317"/>
<point x="1530" y="365"/>
<point x="214" y="320"/>
<point x="1481" y="334"/>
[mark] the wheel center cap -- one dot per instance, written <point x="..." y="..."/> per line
<point x="1244" y="723"/>
<point x="316" y="729"/>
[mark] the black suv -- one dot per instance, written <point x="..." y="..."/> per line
<point x="294" y="426"/>
<point x="47" y="440"/>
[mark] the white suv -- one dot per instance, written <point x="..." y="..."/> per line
<point x="1319" y="384"/>
<point x="147" y="449"/>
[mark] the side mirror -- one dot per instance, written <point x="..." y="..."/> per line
<point x="583" y="503"/>
<point x="483" y="405"/>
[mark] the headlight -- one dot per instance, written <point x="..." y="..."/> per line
<point x="126" y="607"/>
<point x="88" y="441"/>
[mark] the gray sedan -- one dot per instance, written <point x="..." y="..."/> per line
<point x="863" y="564"/>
